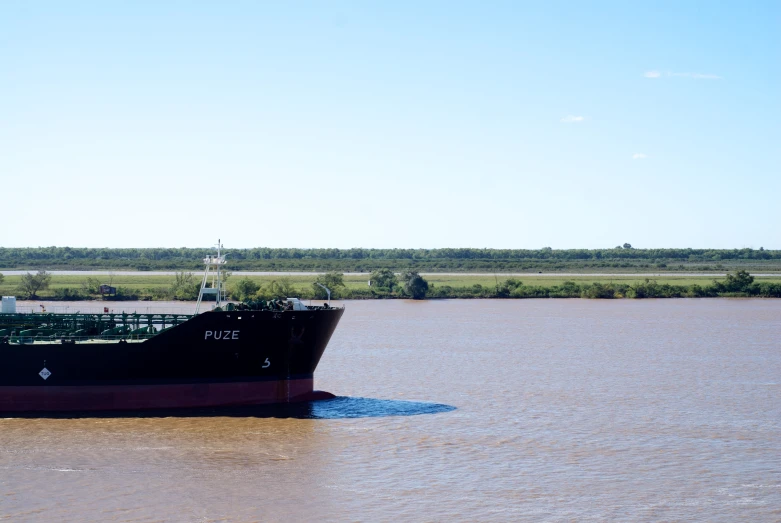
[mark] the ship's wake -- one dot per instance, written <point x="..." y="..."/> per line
<point x="339" y="407"/>
<point x="348" y="407"/>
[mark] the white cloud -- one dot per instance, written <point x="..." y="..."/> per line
<point x="639" y="156"/>
<point x="696" y="76"/>
<point x="573" y="119"/>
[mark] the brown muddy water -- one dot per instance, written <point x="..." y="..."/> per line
<point x="477" y="410"/>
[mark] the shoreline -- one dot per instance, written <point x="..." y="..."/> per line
<point x="155" y="287"/>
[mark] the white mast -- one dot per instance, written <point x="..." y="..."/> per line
<point x="214" y="266"/>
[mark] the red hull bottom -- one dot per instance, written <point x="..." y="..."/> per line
<point x="141" y="397"/>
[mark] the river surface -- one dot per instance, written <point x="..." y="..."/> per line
<point x="477" y="410"/>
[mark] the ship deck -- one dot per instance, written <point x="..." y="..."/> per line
<point x="81" y="327"/>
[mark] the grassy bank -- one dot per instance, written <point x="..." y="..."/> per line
<point x="143" y="287"/>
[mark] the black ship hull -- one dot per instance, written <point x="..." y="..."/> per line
<point x="219" y="358"/>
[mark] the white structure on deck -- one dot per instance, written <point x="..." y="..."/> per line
<point x="298" y="305"/>
<point x="216" y="286"/>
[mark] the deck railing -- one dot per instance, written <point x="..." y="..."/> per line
<point x="118" y="309"/>
<point x="20" y="340"/>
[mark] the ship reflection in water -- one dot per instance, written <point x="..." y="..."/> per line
<point x="336" y="408"/>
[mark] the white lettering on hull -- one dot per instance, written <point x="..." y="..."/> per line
<point x="221" y="335"/>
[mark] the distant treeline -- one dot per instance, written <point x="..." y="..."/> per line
<point x="738" y="285"/>
<point x="367" y="260"/>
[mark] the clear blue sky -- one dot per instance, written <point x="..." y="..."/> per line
<point x="394" y="124"/>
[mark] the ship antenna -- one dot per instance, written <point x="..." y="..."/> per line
<point x="326" y="290"/>
<point x="213" y="263"/>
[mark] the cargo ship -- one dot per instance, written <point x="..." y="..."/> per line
<point x="235" y="354"/>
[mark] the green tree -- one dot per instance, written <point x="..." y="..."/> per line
<point x="568" y="289"/>
<point x="598" y="290"/>
<point x="627" y="246"/>
<point x="333" y="280"/>
<point x="739" y="281"/>
<point x="1" y="277"/>
<point x="90" y="286"/>
<point x="185" y="287"/>
<point x="32" y="283"/>
<point x="279" y="288"/>
<point x="415" y="285"/>
<point x="504" y="290"/>
<point x="384" y="279"/>
<point x="285" y="288"/>
<point x="245" y="289"/>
